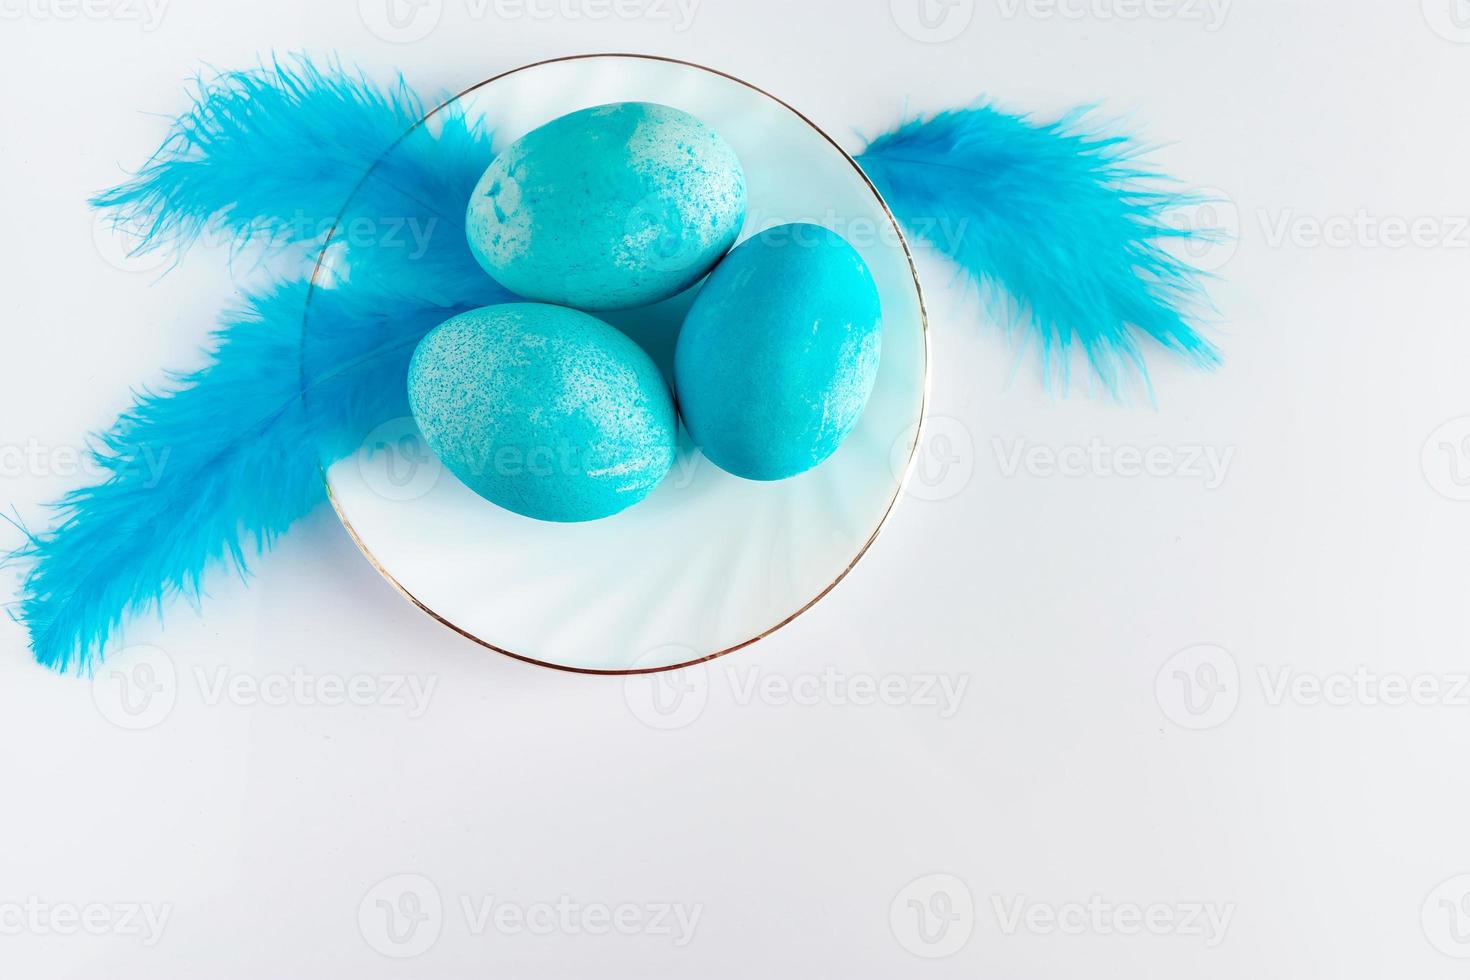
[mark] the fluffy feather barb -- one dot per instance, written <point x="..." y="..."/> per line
<point x="1059" y="221"/>
<point x="230" y="456"/>
<point x="282" y="155"/>
<point x="267" y="153"/>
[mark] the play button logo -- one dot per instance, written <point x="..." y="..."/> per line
<point x="933" y="21"/>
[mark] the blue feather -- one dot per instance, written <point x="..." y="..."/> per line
<point x="228" y="457"/>
<point x="1057" y="223"/>
<point x="281" y="155"/>
<point x="268" y="153"/>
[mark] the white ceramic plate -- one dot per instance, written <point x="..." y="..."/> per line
<point x="708" y="563"/>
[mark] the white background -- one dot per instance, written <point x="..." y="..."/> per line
<point x="1077" y="768"/>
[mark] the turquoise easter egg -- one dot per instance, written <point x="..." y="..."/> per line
<point x="779" y="352"/>
<point x="608" y="208"/>
<point x="546" y="411"/>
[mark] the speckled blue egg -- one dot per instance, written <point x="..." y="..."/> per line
<point x="608" y="208"/>
<point x="778" y="355"/>
<point x="546" y="411"/>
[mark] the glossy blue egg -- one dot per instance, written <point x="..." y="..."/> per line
<point x="779" y="353"/>
<point x="608" y="208"/>
<point x="546" y="411"/>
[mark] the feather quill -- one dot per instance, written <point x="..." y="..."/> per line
<point x="1057" y="223"/>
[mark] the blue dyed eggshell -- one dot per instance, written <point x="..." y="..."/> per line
<point x="779" y="354"/>
<point x="608" y="208"/>
<point x="546" y="411"/>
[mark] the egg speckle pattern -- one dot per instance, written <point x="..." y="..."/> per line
<point x="608" y="208"/>
<point x="545" y="411"/>
<point x="779" y="353"/>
